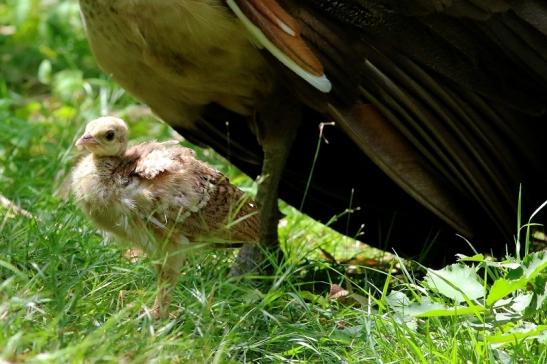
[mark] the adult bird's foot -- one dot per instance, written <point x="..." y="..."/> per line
<point x="248" y="260"/>
<point x="157" y="312"/>
<point x="256" y="259"/>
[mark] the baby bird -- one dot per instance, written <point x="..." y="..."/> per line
<point x="158" y="197"/>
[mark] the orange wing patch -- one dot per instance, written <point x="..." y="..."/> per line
<point x="283" y="31"/>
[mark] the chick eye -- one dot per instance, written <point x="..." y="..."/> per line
<point x="109" y="135"/>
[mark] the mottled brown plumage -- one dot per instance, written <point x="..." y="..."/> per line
<point x="158" y="197"/>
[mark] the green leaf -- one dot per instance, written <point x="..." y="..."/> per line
<point x="397" y="299"/>
<point x="502" y="288"/>
<point x="521" y="302"/>
<point x="452" y="311"/>
<point x="539" y="284"/>
<point x="456" y="281"/>
<point x="515" y="273"/>
<point x="534" y="264"/>
<point x="474" y="258"/>
<point x="541" y="298"/>
<point x="542" y="338"/>
<point x="314" y="298"/>
<point x="272" y="296"/>
<point x="512" y="337"/>
<point x="426" y="308"/>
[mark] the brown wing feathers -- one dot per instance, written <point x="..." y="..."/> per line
<point x="435" y="77"/>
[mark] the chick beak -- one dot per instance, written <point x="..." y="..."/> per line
<point x="86" y="139"/>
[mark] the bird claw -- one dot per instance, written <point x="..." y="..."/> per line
<point x="159" y="310"/>
<point x="248" y="260"/>
<point x="255" y="259"/>
<point x="153" y="313"/>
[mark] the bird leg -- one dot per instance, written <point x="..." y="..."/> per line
<point x="168" y="271"/>
<point x="276" y="131"/>
<point x="275" y="157"/>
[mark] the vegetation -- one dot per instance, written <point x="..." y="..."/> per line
<point x="67" y="295"/>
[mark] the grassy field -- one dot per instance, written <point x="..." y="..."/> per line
<point x="69" y="295"/>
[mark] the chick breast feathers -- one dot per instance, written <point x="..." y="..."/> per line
<point x="160" y="193"/>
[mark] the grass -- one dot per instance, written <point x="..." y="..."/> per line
<point x="68" y="295"/>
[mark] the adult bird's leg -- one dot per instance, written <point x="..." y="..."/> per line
<point x="276" y="130"/>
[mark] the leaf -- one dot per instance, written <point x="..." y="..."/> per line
<point x="502" y="288"/>
<point x="456" y="281"/>
<point x="410" y="322"/>
<point x="252" y="296"/>
<point x="272" y="296"/>
<point x="417" y="309"/>
<point x="534" y="264"/>
<point x="541" y="298"/>
<point x="337" y="292"/>
<point x="397" y="299"/>
<point x="433" y="309"/>
<point x="474" y="258"/>
<point x="539" y="284"/>
<point x="453" y="311"/>
<point x="314" y="298"/>
<point x="521" y="302"/>
<point x="506" y="264"/>
<point x="518" y="334"/>
<point x="295" y="350"/>
<point x="515" y="273"/>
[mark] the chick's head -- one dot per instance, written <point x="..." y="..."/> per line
<point x="105" y="137"/>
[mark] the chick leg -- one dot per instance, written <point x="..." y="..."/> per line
<point x="168" y="271"/>
<point x="276" y="133"/>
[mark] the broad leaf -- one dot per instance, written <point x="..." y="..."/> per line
<point x="527" y="332"/>
<point x="534" y="264"/>
<point x="434" y="309"/>
<point x="397" y="299"/>
<point x="502" y="288"/>
<point x="456" y="281"/>
<point x="452" y="311"/>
